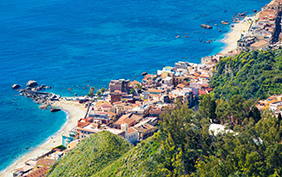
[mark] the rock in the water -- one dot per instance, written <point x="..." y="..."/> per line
<point x="55" y="109"/>
<point x="31" y="83"/>
<point x="206" y="26"/>
<point x="144" y="73"/>
<point x="70" y="89"/>
<point x="16" y="86"/>
<point x="75" y="94"/>
<point x="225" y="23"/>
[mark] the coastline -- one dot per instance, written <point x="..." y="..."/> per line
<point x="232" y="36"/>
<point x="74" y="112"/>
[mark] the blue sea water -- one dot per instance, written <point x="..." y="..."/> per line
<point x="75" y="43"/>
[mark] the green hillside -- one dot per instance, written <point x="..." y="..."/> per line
<point x="255" y="74"/>
<point x="91" y="155"/>
<point x="142" y="160"/>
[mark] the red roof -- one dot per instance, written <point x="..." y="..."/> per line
<point x="202" y="92"/>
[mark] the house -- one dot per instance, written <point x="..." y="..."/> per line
<point x="123" y="108"/>
<point x="20" y="171"/>
<point x="114" y="97"/>
<point x="155" y="91"/>
<point x="131" y="134"/>
<point x="45" y="162"/>
<point x="145" y="130"/>
<point x="98" y="115"/>
<point x="121" y="84"/>
<point x="126" y="119"/>
<point x="41" y="171"/>
<point x="274" y="106"/>
<point x="167" y="80"/>
<point x="96" y="127"/>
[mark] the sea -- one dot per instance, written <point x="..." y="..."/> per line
<point x="75" y="43"/>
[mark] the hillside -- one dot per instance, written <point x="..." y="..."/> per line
<point x="142" y="160"/>
<point x="255" y="74"/>
<point x="91" y="155"/>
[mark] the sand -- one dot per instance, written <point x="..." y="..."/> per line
<point x="234" y="35"/>
<point x="75" y="112"/>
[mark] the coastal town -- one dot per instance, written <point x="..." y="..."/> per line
<point x="132" y="109"/>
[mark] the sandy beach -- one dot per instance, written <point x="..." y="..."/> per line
<point x="231" y="38"/>
<point x="75" y="111"/>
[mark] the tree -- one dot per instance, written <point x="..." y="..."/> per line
<point x="132" y="91"/>
<point x="91" y="92"/>
<point x="222" y="111"/>
<point x="102" y="89"/>
<point x="212" y="109"/>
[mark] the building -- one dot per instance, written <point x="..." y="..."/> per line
<point x="121" y="84"/>
<point x="129" y="119"/>
<point x="131" y="134"/>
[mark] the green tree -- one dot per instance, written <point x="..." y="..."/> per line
<point x="131" y="91"/>
<point x="212" y="110"/>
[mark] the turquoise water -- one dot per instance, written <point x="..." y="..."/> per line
<point x="67" y="43"/>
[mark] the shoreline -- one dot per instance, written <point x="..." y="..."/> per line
<point x="230" y="38"/>
<point x="74" y="112"/>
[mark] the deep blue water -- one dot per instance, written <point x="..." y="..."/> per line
<point x="75" y="43"/>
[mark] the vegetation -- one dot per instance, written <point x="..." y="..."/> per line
<point x="255" y="74"/>
<point x="91" y="155"/>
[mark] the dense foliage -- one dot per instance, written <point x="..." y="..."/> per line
<point x="255" y="74"/>
<point x="91" y="155"/>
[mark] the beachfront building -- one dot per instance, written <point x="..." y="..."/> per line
<point x="121" y="84"/>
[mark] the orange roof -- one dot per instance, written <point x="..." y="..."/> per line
<point x="202" y="92"/>
<point x="259" y="43"/>
<point x="45" y="162"/>
<point x="146" y="77"/>
<point x="131" y="130"/>
<point x="181" y="86"/>
<point x="125" y="120"/>
<point x="118" y="91"/>
<point x="38" y="172"/>
<point x="154" y="95"/>
<point x="271" y="98"/>
<point x="156" y="90"/>
<point x="134" y="82"/>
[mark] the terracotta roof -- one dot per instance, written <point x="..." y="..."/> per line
<point x="272" y="97"/>
<point x="154" y="95"/>
<point x="125" y="119"/>
<point x="181" y="86"/>
<point x="156" y="90"/>
<point x="135" y="117"/>
<point x="45" y="162"/>
<point x="259" y="43"/>
<point x="202" y="92"/>
<point x="134" y="82"/>
<point x="131" y="130"/>
<point x="117" y="91"/>
<point x="147" y="76"/>
<point x="38" y="172"/>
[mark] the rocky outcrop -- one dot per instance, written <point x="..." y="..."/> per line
<point x="55" y="109"/>
<point x="206" y="26"/>
<point x="241" y="14"/>
<point x="225" y="23"/>
<point x="16" y="86"/>
<point x="31" y="83"/>
<point x="144" y="73"/>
